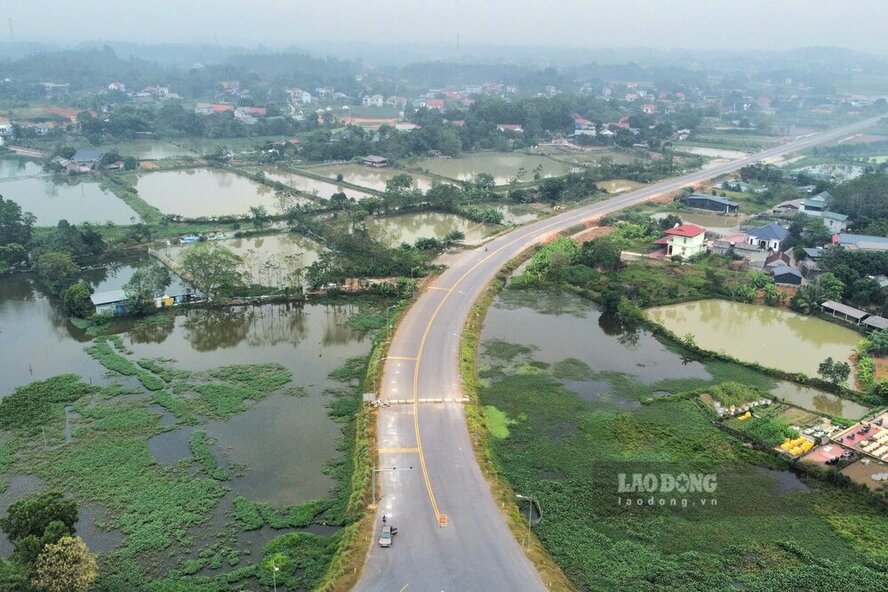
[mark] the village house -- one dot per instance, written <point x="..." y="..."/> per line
<point x="510" y="127"/>
<point x="860" y="242"/>
<point x="210" y="108"/>
<point x="117" y="86"/>
<point x="396" y="101"/>
<point x="786" y="275"/>
<point x="767" y="237"/>
<point x="372" y="101"/>
<point x="297" y="95"/>
<point x="433" y="104"/>
<point x="89" y="159"/>
<point x="834" y="222"/>
<point x="684" y="240"/>
<point x="375" y="161"/>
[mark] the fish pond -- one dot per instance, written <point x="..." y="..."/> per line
<point x="407" y="228"/>
<point x="764" y="335"/>
<point x="195" y="193"/>
<point x="502" y="165"/>
<point x="590" y="353"/>
<point x="268" y="260"/>
<point x="52" y="198"/>
<point x="312" y="186"/>
<point x="369" y="177"/>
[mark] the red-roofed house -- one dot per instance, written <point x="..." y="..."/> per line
<point x="649" y="108"/>
<point x="459" y="122"/>
<point x="434" y="103"/>
<point x="685" y="241"/>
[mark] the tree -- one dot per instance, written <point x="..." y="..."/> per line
<point x="15" y="232"/>
<point x="57" y="271"/>
<point x="807" y="299"/>
<point x="65" y="566"/>
<point x="15" y="225"/>
<point x="213" y="268"/>
<point x="602" y="253"/>
<point x="146" y="284"/>
<point x="835" y="372"/>
<point x="832" y="287"/>
<point x="259" y="215"/>
<point x="77" y="302"/>
<point x="31" y="516"/>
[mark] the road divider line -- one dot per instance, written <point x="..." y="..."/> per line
<point x="398" y="450"/>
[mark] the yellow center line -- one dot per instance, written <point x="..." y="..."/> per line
<point x="438" y="288"/>
<point x="398" y="450"/>
<point x="409" y="358"/>
<point x="422" y="463"/>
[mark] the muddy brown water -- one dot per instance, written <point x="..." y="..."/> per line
<point x="768" y="336"/>
<point x="207" y="192"/>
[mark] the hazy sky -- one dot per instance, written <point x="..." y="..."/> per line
<point x="713" y="24"/>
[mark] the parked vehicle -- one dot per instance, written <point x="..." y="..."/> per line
<point x="386" y="534"/>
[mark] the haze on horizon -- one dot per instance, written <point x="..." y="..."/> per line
<point x="312" y="24"/>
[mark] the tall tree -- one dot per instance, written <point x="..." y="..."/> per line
<point x="212" y="267"/>
<point x="65" y="566"/>
<point x="57" y="270"/>
<point x="146" y="284"/>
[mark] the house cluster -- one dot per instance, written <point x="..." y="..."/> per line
<point x="247" y="115"/>
<point x="84" y="161"/>
<point x="816" y="206"/>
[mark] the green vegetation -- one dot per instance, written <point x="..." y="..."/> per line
<point x="768" y="431"/>
<point x="255" y="515"/>
<point x="734" y="393"/>
<point x="497" y="422"/>
<point x="202" y="449"/>
<point x="41" y="403"/>
<point x="567" y="454"/>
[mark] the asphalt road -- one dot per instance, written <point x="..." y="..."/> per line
<point x="437" y="479"/>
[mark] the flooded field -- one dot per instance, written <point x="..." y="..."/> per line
<point x="147" y="149"/>
<point x="52" y="199"/>
<point x="819" y="401"/>
<point x="513" y="213"/>
<point x="267" y="442"/>
<point x="561" y="327"/>
<point x="409" y="227"/>
<point x="312" y="186"/>
<point x="206" y="192"/>
<point x="596" y="156"/>
<point x="502" y="165"/>
<point x="370" y="177"/>
<point x="269" y="260"/>
<point x="767" y="336"/>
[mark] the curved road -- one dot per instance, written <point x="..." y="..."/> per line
<point x="452" y="536"/>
